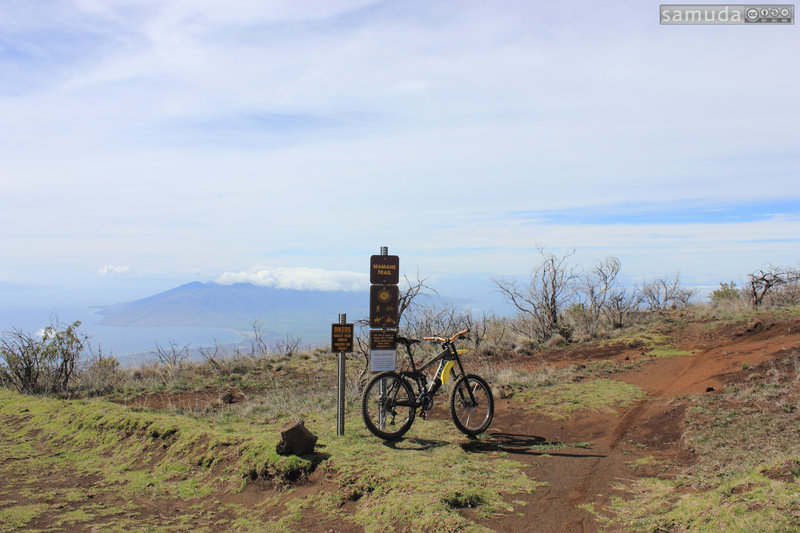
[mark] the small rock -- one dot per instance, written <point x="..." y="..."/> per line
<point x="709" y="389"/>
<point x="296" y="439"/>
<point x="226" y="397"/>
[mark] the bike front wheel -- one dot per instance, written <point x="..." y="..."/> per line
<point x="471" y="404"/>
<point x="388" y="406"/>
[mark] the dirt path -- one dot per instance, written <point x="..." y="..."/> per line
<point x="640" y="441"/>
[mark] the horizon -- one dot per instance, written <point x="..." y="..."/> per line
<point x="144" y="144"/>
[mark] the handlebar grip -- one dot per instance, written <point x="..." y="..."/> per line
<point x="460" y="334"/>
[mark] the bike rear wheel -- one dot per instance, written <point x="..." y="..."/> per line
<point x="472" y="413"/>
<point x="388" y="406"/>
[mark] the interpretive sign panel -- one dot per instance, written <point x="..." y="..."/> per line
<point x="384" y="270"/>
<point x="341" y="338"/>
<point x="383" y="300"/>
<point x="383" y="351"/>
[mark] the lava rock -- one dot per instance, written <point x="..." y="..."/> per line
<point x="296" y="439"/>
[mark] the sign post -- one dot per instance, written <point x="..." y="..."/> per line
<point x="341" y="342"/>
<point x="384" y="297"/>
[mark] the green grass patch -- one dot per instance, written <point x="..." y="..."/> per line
<point x="668" y="351"/>
<point x="19" y="516"/>
<point x="560" y="401"/>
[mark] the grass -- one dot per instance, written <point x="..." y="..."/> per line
<point x="561" y="400"/>
<point x="19" y="516"/>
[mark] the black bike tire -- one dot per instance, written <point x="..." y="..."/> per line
<point x="464" y="381"/>
<point x="365" y="407"/>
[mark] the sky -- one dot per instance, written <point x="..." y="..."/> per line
<point x="144" y="144"/>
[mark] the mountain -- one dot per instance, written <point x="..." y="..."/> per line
<point x="236" y="307"/>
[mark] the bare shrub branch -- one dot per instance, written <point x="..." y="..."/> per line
<point x="171" y="356"/>
<point x="664" y="293"/>
<point x="287" y="346"/>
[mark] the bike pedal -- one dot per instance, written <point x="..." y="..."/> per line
<point x="424" y="415"/>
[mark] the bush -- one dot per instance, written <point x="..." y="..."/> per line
<point x="727" y="292"/>
<point x="32" y="365"/>
<point x="101" y="375"/>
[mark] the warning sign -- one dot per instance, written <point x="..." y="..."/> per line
<point x="341" y="338"/>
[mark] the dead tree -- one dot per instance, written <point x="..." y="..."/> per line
<point x="595" y="286"/>
<point x="619" y="305"/>
<point x="664" y="293"/>
<point x="539" y="302"/>
<point x="764" y="281"/>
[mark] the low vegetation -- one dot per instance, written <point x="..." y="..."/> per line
<point x="561" y="400"/>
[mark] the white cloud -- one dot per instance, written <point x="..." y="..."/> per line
<point x="112" y="269"/>
<point x="298" y="278"/>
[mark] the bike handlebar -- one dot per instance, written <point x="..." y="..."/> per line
<point x="443" y="339"/>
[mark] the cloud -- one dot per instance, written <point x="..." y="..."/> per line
<point x="298" y="278"/>
<point x="112" y="269"/>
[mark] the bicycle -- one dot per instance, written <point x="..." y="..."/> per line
<point x="389" y="403"/>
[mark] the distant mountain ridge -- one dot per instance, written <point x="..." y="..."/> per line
<point x="236" y="306"/>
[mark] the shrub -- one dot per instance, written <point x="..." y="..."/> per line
<point x="32" y="365"/>
<point x="727" y="292"/>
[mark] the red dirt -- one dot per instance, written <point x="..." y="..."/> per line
<point x="187" y="401"/>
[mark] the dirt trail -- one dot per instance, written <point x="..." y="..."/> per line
<point x="642" y="440"/>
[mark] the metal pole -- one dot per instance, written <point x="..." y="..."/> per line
<point x="340" y="389"/>
<point x="382" y="384"/>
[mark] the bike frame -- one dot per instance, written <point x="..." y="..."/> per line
<point x="448" y="353"/>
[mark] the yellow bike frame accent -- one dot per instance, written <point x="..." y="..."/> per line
<point x="446" y="371"/>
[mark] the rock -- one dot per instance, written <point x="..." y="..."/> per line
<point x="296" y="439"/>
<point x="709" y="389"/>
<point x="503" y="392"/>
<point x="226" y="397"/>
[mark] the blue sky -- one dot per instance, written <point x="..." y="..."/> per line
<point x="144" y="143"/>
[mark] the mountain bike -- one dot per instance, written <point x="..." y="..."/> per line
<point x="390" y="402"/>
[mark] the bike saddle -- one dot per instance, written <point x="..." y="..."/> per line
<point x="406" y="342"/>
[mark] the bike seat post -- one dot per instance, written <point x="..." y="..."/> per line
<point x="411" y="358"/>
